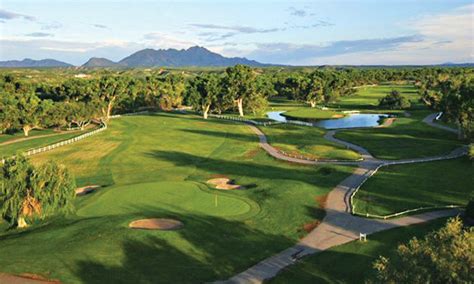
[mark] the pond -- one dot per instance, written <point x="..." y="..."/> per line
<point x="350" y="121"/>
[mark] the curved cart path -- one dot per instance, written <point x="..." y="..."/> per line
<point x="430" y="121"/>
<point x="339" y="226"/>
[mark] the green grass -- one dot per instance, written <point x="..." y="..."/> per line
<point x="157" y="166"/>
<point x="352" y="262"/>
<point x="367" y="98"/>
<point x="407" y="137"/>
<point x="306" y="141"/>
<point x="402" y="187"/>
<point x="20" y="135"/>
<point x="22" y="146"/>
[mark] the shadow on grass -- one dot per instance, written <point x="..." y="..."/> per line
<point x="205" y="249"/>
<point x="250" y="169"/>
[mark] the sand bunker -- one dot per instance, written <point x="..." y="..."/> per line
<point x="86" y="189"/>
<point x="156" y="224"/>
<point x="224" y="183"/>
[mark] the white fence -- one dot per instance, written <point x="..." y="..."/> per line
<point x="103" y="127"/>
<point x="368" y="215"/>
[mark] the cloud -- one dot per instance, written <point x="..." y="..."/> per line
<point x="7" y="15"/>
<point x="298" y="12"/>
<point x="289" y="52"/>
<point x="38" y="34"/>
<point x="164" y="40"/>
<point x="100" y="26"/>
<point x="238" y="29"/>
<point x="51" y="26"/>
<point x="437" y="38"/>
<point x="220" y="32"/>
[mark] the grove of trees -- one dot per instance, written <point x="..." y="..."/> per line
<point x="73" y="102"/>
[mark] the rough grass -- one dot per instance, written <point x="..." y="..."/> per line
<point x="157" y="166"/>
<point x="402" y="187"/>
<point x="352" y="262"/>
<point x="306" y="141"/>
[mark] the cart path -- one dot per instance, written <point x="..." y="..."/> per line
<point x="339" y="226"/>
<point x="430" y="121"/>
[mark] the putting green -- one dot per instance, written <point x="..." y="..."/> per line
<point x="171" y="196"/>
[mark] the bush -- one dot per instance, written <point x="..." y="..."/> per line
<point x="394" y="101"/>
<point x="443" y="256"/>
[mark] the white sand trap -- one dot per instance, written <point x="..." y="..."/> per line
<point x="224" y="183"/>
<point x="156" y="224"/>
<point x="86" y="189"/>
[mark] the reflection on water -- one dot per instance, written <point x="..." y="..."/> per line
<point x="350" y="121"/>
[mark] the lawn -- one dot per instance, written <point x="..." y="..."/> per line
<point x="367" y="98"/>
<point x="407" y="137"/>
<point x="32" y="141"/>
<point x="352" y="262"/>
<point x="157" y="166"/>
<point x="402" y="187"/>
<point x="306" y="141"/>
<point x="19" y="134"/>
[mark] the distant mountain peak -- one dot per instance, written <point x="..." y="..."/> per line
<point x="31" y="63"/>
<point x="193" y="56"/>
<point x="99" y="62"/>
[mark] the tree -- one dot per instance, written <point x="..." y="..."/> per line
<point x="203" y="92"/>
<point x="30" y="111"/>
<point x="443" y="256"/>
<point x="314" y="92"/>
<point x="30" y="192"/>
<point x="239" y="85"/>
<point x="8" y="112"/>
<point x="171" y="90"/>
<point x="80" y="113"/>
<point x="110" y="90"/>
<point x="394" y="101"/>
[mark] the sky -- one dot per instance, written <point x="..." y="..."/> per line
<point x="359" y="32"/>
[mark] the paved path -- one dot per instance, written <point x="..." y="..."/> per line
<point x="339" y="226"/>
<point x="430" y="121"/>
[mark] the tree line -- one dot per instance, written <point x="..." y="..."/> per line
<point x="76" y="102"/>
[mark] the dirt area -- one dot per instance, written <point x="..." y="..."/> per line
<point x="25" y="279"/>
<point x="321" y="200"/>
<point x="156" y="224"/>
<point x="387" y="122"/>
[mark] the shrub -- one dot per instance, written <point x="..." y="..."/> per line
<point x="394" y="101"/>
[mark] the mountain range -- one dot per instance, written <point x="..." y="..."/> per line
<point x="27" y="62"/>
<point x="193" y="56"/>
